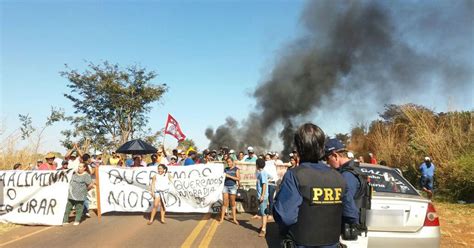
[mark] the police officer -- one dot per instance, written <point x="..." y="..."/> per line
<point x="357" y="196"/>
<point x="308" y="207"/>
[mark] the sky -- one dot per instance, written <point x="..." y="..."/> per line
<point x="211" y="54"/>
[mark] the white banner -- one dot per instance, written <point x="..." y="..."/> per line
<point x="195" y="188"/>
<point x="34" y="197"/>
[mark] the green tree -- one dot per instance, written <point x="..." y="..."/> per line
<point x="187" y="143"/>
<point x="110" y="103"/>
<point x="27" y="128"/>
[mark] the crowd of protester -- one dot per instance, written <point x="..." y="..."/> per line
<point x="84" y="165"/>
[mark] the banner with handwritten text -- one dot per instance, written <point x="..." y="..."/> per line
<point x="34" y="197"/>
<point x="195" y="188"/>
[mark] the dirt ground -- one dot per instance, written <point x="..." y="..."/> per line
<point x="457" y="224"/>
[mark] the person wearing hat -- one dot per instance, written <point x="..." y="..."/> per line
<point x="357" y="189"/>
<point x="50" y="164"/>
<point x="427" y="169"/>
<point x="250" y="157"/>
<point x="308" y="207"/>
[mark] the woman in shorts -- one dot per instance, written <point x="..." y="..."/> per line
<point x="232" y="178"/>
<point x="160" y="186"/>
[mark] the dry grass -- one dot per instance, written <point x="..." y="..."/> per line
<point x="10" y="154"/>
<point x="457" y="224"/>
<point x="417" y="132"/>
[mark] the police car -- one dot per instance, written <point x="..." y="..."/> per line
<point x="399" y="215"/>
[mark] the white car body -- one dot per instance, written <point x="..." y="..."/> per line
<point x="398" y="216"/>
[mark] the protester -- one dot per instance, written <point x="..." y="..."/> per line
<point x="232" y="154"/>
<point x="250" y="157"/>
<point x="80" y="183"/>
<point x="207" y="157"/>
<point x="137" y="161"/>
<point x="427" y="169"/>
<point x="97" y="159"/>
<point x="64" y="165"/>
<point x="277" y="159"/>
<point x="305" y="217"/>
<point x="361" y="159"/>
<point x="129" y="161"/>
<point x="190" y="159"/>
<point x="50" y="164"/>
<point x="356" y="188"/>
<point x="240" y="157"/>
<point x="161" y="157"/>
<point x="262" y="195"/>
<point x="293" y="163"/>
<point x="173" y="161"/>
<point x="373" y="160"/>
<point x="17" y="166"/>
<point x="74" y="157"/>
<point x="232" y="177"/>
<point x="160" y="185"/>
<point x="270" y="169"/>
<point x="182" y="157"/>
<point x="115" y="159"/>
<point x="38" y="164"/>
<point x="154" y="160"/>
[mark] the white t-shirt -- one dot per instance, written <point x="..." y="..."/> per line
<point x="270" y="168"/>
<point x="74" y="164"/>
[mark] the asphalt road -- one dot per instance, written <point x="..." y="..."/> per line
<point x="131" y="230"/>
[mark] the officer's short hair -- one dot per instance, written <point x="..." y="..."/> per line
<point x="309" y="141"/>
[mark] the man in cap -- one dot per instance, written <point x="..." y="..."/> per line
<point x="357" y="190"/>
<point x="50" y="164"/>
<point x="308" y="207"/>
<point x="427" y="169"/>
<point x="250" y="157"/>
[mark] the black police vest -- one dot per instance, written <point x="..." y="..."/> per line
<point x="363" y="194"/>
<point x="320" y="214"/>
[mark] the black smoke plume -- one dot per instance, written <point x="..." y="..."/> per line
<point x="362" y="53"/>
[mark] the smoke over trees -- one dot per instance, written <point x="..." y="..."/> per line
<point x="351" y="50"/>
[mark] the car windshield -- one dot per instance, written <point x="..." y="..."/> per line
<point x="388" y="180"/>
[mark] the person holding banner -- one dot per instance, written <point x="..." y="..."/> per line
<point x="232" y="177"/>
<point x="81" y="182"/>
<point x="160" y="186"/>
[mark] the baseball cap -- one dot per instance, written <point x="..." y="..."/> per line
<point x="427" y="159"/>
<point x="231" y="151"/>
<point x="333" y="145"/>
<point x="250" y="149"/>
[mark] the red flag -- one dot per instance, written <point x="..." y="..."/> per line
<point x="172" y="128"/>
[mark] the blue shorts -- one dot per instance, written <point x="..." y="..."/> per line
<point x="427" y="182"/>
<point x="231" y="190"/>
<point x="262" y="208"/>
